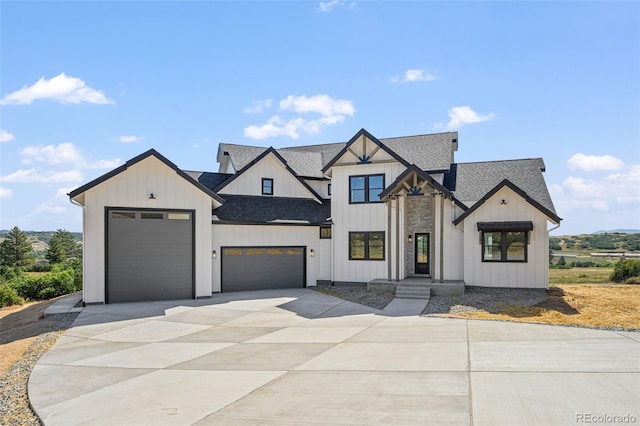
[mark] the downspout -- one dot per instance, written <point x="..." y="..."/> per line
<point x="389" y="238"/>
<point x="441" y="237"/>
<point x="397" y="238"/>
<point x="84" y="248"/>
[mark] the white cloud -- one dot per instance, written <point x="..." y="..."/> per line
<point x="412" y="75"/>
<point x="129" y="139"/>
<point x="580" y="194"/>
<point x="64" y="153"/>
<point x="6" y="136"/>
<point x="328" y="6"/>
<point x="103" y="164"/>
<point x="591" y="163"/>
<point x="5" y="193"/>
<point x="62" y="192"/>
<point x="322" y="104"/>
<point x="257" y="106"/>
<point x="461" y="115"/>
<point x="49" y="208"/>
<point x="332" y="111"/>
<point x="62" y="88"/>
<point x="38" y="176"/>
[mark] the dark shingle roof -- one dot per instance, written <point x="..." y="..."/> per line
<point x="469" y="182"/>
<point x="209" y="180"/>
<point x="431" y="152"/>
<point x="260" y="209"/>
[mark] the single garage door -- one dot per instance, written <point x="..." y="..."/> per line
<point x="262" y="268"/>
<point x="149" y="255"/>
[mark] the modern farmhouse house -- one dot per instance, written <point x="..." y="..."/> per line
<point x="368" y="209"/>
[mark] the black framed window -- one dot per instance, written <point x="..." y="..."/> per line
<point x="329" y="189"/>
<point x="267" y="186"/>
<point x="365" y="188"/>
<point x="325" y="232"/>
<point x="504" y="246"/>
<point x="366" y="245"/>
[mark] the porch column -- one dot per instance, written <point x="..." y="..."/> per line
<point x="397" y="238"/>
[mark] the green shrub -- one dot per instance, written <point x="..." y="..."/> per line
<point x="632" y="280"/>
<point x="9" y="296"/>
<point x="625" y="269"/>
<point x="46" y="286"/>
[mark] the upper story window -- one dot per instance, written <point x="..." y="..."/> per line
<point x="267" y="186"/>
<point x="329" y="189"/>
<point x="325" y="232"/>
<point x="365" y="188"/>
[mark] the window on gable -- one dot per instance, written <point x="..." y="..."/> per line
<point x="267" y="186"/>
<point x="366" y="245"/>
<point x="329" y="189"/>
<point x="325" y="232"/>
<point x="504" y="246"/>
<point x="365" y="189"/>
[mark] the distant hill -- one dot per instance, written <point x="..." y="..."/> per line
<point x="619" y="231"/>
<point x="613" y="241"/>
<point x="40" y="240"/>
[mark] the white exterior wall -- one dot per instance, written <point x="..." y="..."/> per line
<point x="320" y="186"/>
<point x="532" y="274"/>
<point x="452" y="242"/>
<point x="318" y="267"/>
<point x="362" y="217"/>
<point x="131" y="189"/>
<point x="284" y="183"/>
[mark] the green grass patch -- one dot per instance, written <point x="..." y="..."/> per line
<point x="580" y="275"/>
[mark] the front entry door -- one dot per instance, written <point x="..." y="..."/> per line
<point x="422" y="254"/>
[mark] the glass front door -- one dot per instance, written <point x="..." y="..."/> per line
<point x="422" y="254"/>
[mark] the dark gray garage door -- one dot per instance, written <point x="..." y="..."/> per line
<point x="261" y="268"/>
<point x="149" y="255"/>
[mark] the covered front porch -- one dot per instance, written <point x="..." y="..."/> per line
<point x="422" y="245"/>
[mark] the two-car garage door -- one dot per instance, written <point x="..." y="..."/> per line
<point x="149" y="255"/>
<point x="262" y="268"/>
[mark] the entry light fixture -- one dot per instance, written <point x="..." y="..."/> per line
<point x="503" y="202"/>
<point x="312" y="253"/>
<point x="151" y="196"/>
<point x="214" y="254"/>
<point x="410" y="238"/>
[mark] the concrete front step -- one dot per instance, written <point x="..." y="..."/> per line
<point x="413" y="291"/>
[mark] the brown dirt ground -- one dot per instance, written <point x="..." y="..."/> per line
<point x="19" y="327"/>
<point x="592" y="305"/>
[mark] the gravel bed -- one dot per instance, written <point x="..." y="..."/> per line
<point x="477" y="299"/>
<point x="14" y="402"/>
<point x="358" y="294"/>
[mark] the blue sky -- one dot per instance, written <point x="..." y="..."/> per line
<point x="85" y="86"/>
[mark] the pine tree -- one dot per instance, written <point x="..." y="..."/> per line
<point x="16" y="250"/>
<point x="55" y="252"/>
<point x="62" y="246"/>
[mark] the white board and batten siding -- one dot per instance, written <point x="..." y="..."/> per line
<point x="318" y="267"/>
<point x="361" y="218"/>
<point x="131" y="189"/>
<point x="320" y="186"/>
<point x="284" y="183"/>
<point x="453" y="240"/>
<point x="531" y="274"/>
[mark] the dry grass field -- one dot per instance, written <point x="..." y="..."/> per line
<point x="578" y="296"/>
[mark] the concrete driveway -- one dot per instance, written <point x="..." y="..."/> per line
<point x="300" y="357"/>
